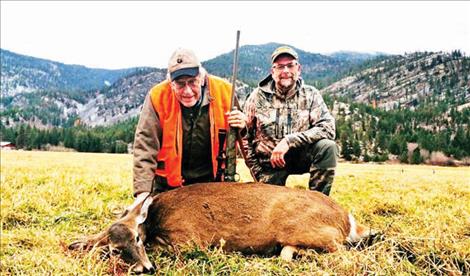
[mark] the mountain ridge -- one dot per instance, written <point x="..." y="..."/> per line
<point x="410" y="107"/>
<point x="23" y="73"/>
<point x="256" y="63"/>
<point x="103" y="97"/>
<point x="122" y="99"/>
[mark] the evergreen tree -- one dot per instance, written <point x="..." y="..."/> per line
<point x="21" y="137"/>
<point x="356" y="148"/>
<point x="69" y="139"/>
<point x="396" y="144"/>
<point x="404" y="157"/>
<point x="120" y="147"/>
<point x="457" y="143"/>
<point x="416" y="157"/>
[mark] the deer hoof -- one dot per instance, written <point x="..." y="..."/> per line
<point x="287" y="252"/>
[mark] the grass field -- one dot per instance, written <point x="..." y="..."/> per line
<point x="49" y="199"/>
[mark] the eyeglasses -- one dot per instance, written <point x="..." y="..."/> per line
<point x="180" y="84"/>
<point x="281" y="67"/>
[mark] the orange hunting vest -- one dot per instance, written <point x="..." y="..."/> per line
<point x="168" y="109"/>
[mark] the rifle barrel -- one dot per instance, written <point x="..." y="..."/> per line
<point x="230" y="169"/>
<point x="235" y="71"/>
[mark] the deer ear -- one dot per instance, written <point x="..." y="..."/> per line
<point x="144" y="210"/>
<point x="138" y="200"/>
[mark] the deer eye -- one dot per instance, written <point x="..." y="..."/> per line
<point x="137" y="239"/>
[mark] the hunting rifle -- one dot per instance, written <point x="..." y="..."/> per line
<point x="229" y="156"/>
<point x="231" y="166"/>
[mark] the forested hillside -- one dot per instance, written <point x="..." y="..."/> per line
<point x="408" y="81"/>
<point x="431" y="134"/>
<point x="412" y="108"/>
<point x="317" y="69"/>
<point x="25" y="74"/>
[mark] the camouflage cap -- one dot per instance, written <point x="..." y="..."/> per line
<point x="183" y="62"/>
<point x="283" y="50"/>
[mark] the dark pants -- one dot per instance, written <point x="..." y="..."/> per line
<point x="160" y="185"/>
<point x="318" y="159"/>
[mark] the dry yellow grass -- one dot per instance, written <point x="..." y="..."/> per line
<point x="48" y="198"/>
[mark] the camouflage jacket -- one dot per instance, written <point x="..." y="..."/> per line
<point x="302" y="117"/>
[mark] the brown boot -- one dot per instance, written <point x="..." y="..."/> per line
<point x="321" y="180"/>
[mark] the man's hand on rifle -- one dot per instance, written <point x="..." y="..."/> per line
<point x="236" y="119"/>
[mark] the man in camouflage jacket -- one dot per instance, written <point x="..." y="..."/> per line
<point x="290" y="130"/>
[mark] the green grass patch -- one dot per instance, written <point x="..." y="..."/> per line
<point x="50" y="199"/>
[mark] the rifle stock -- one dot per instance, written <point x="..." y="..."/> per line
<point x="221" y="156"/>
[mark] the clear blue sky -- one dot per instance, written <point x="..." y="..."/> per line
<point x="129" y="33"/>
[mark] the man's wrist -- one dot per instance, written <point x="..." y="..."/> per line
<point x="288" y="139"/>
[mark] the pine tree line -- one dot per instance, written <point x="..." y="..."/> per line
<point x="113" y="139"/>
<point x="363" y="133"/>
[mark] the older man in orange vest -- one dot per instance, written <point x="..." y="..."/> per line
<point x="176" y="141"/>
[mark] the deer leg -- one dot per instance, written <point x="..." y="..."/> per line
<point x="287" y="252"/>
<point x="87" y="243"/>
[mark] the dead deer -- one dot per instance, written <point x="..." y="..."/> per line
<point x="250" y="218"/>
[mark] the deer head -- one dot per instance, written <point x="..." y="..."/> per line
<point x="125" y="237"/>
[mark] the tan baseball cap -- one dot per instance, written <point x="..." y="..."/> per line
<point x="183" y="62"/>
<point x="283" y="50"/>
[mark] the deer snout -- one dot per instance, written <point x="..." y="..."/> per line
<point x="143" y="268"/>
<point x="143" y="264"/>
<point x="77" y="245"/>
